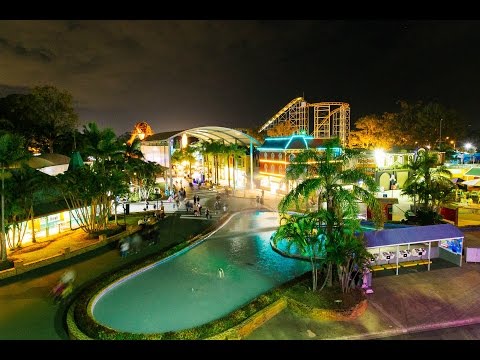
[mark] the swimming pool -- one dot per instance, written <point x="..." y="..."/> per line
<point x="188" y="290"/>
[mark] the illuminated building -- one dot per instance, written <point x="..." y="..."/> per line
<point x="275" y="155"/>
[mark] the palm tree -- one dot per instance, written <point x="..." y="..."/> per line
<point x="301" y="231"/>
<point x="325" y="174"/>
<point x="132" y="150"/>
<point x="88" y="193"/>
<point x="428" y="184"/>
<point x="184" y="154"/>
<point x="102" y="145"/>
<point x="203" y="148"/>
<point x="21" y="189"/>
<point x="12" y="151"/>
<point x="235" y="151"/>
<point x="215" y="148"/>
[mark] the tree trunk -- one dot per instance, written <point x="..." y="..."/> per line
<point x="228" y="168"/>
<point x="3" y="239"/>
<point x="50" y="146"/>
<point x="314" y="274"/>
<point x="116" y="217"/>
<point x="34" y="240"/>
<point x="234" y="170"/>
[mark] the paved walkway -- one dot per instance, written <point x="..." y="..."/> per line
<point x="409" y="302"/>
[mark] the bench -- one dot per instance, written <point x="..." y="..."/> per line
<point x="408" y="263"/>
<point x="415" y="263"/>
<point x="389" y="266"/>
<point x="424" y="262"/>
<point x="377" y="268"/>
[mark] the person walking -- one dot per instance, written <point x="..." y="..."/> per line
<point x="64" y="286"/>
<point x="124" y="247"/>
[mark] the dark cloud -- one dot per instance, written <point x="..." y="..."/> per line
<point x="181" y="73"/>
<point x="42" y="54"/>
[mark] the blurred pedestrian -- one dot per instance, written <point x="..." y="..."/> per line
<point x="68" y="276"/>
<point x="64" y="286"/>
<point x="136" y="243"/>
<point x="124" y="247"/>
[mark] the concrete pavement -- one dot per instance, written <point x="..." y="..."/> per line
<point x="406" y="303"/>
<point x="416" y="300"/>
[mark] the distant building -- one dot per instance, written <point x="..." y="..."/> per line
<point x="276" y="153"/>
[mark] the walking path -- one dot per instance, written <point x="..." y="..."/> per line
<point x="410" y="302"/>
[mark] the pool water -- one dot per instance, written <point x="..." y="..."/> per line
<point x="189" y="290"/>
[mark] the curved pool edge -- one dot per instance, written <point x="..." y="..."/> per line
<point x="236" y="332"/>
<point x="73" y="330"/>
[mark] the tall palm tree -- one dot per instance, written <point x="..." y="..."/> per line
<point x="215" y="148"/>
<point x="203" y="148"/>
<point x="235" y="151"/>
<point x="185" y="154"/>
<point x="325" y="174"/>
<point x="12" y="152"/>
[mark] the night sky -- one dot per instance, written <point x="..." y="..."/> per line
<point x="239" y="73"/>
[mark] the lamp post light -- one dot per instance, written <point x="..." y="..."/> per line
<point x="468" y="147"/>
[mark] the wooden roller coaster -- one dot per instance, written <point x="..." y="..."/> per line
<point x="330" y="119"/>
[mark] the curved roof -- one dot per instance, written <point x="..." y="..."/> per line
<point x="46" y="160"/>
<point x="210" y="133"/>
<point x="412" y="235"/>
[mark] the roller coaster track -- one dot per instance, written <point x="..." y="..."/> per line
<point x="330" y="119"/>
<point x="280" y="116"/>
